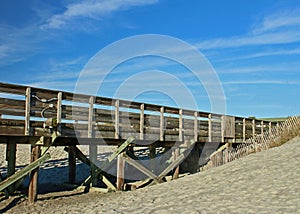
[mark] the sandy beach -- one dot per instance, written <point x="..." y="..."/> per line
<point x="266" y="182"/>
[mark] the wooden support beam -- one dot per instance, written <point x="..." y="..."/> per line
<point x="162" y="124"/>
<point x="33" y="183"/>
<point x="11" y="149"/>
<point x="140" y="167"/>
<point x="27" y="111"/>
<point x="6" y="193"/>
<point x="23" y="172"/>
<point x="174" y="164"/>
<point x="262" y="129"/>
<point x="107" y="164"/>
<point x="117" y="119"/>
<point x="110" y="186"/>
<point x="195" y="126"/>
<point x="142" y="121"/>
<point x="120" y="172"/>
<point x="270" y="128"/>
<point x="87" y="161"/>
<point x="120" y="149"/>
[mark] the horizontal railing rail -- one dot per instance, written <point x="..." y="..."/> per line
<point x="24" y="109"/>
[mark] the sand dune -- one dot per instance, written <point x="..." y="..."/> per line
<point x="266" y="182"/>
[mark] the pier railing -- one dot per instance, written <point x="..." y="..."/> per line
<point x="43" y="118"/>
<point x="23" y="111"/>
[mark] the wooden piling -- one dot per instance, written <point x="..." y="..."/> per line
<point x="152" y="157"/>
<point x="120" y="172"/>
<point x="33" y="183"/>
<point x="11" y="149"/>
<point x="72" y="164"/>
<point x="176" y="170"/>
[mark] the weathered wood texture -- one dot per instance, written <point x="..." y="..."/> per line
<point x="33" y="184"/>
<point x="24" y="109"/>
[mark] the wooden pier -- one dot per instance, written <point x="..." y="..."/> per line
<point x="43" y="118"/>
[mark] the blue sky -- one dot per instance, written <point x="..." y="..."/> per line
<point x="254" y="46"/>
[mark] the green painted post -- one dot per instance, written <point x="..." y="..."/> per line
<point x="23" y="172"/>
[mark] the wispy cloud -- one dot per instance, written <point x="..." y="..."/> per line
<point x="92" y="9"/>
<point x="277" y="21"/>
<point x="290" y="67"/>
<point x="261" y="82"/>
<point x="277" y="28"/>
<point x="286" y="37"/>
<point x="58" y="73"/>
<point x="268" y="53"/>
<point x="16" y="44"/>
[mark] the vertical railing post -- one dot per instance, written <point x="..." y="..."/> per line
<point x="180" y="125"/>
<point x="142" y="121"/>
<point x="262" y="129"/>
<point x="244" y="129"/>
<point x="27" y="111"/>
<point x="195" y="126"/>
<point x="59" y="113"/>
<point x="209" y="128"/>
<point x="117" y="119"/>
<point x="253" y="127"/>
<point x="222" y="128"/>
<point x="162" y="124"/>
